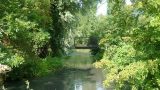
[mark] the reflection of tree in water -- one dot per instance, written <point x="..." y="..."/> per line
<point x="71" y="78"/>
<point x="76" y="77"/>
<point x="78" y="84"/>
<point x="83" y="79"/>
<point x="67" y="79"/>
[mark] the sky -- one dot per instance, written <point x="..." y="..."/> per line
<point x="102" y="7"/>
<point x="128" y="2"/>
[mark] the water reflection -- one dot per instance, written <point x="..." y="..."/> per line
<point x="78" y="85"/>
<point x="99" y="85"/>
<point x="78" y="75"/>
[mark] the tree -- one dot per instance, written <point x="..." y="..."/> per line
<point x="65" y="19"/>
<point x="24" y="29"/>
<point x="131" y="44"/>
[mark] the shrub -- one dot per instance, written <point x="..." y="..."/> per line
<point x="36" y="68"/>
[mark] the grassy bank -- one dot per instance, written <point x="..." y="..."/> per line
<point x="36" y="68"/>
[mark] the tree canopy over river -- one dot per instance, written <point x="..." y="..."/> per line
<point x="36" y="36"/>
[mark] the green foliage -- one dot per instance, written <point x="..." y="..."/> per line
<point x="21" y="29"/>
<point x="66" y="16"/>
<point x="30" y="29"/>
<point x="89" y="26"/>
<point x="24" y="35"/>
<point x="131" y="44"/>
<point x="36" y="68"/>
<point x="62" y="21"/>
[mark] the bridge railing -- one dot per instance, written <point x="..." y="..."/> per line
<point x="85" y="43"/>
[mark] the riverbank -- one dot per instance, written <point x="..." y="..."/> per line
<point x="78" y="74"/>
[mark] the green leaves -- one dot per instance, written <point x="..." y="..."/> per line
<point x="155" y="21"/>
<point x="15" y="60"/>
<point x="132" y="45"/>
<point x="24" y="24"/>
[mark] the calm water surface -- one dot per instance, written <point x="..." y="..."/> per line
<point x="78" y="74"/>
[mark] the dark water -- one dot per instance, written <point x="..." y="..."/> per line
<point x="79" y="74"/>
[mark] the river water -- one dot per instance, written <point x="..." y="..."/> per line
<point x="78" y="74"/>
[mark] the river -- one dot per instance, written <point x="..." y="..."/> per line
<point x="78" y="74"/>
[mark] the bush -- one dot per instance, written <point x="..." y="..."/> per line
<point x="36" y="68"/>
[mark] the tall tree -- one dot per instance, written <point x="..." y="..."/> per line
<point x="131" y="45"/>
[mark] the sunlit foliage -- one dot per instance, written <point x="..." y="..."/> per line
<point x="131" y="45"/>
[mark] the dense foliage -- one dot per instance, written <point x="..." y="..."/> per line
<point x="24" y="30"/>
<point x="32" y="32"/>
<point x="25" y="37"/>
<point x="131" y="43"/>
<point x="66" y="17"/>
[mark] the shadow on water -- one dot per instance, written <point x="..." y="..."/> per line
<point x="78" y="74"/>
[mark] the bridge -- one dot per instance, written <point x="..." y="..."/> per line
<point x="86" y="42"/>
